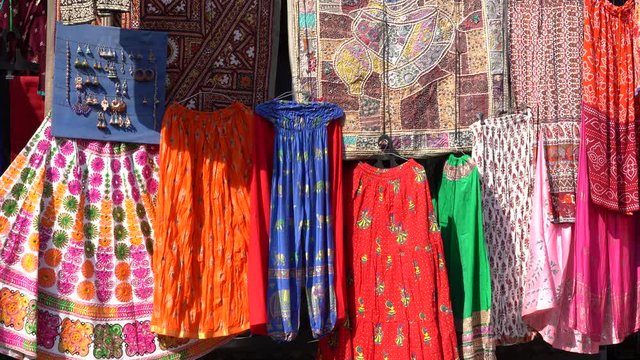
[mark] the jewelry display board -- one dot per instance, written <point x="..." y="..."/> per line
<point x="109" y="83"/>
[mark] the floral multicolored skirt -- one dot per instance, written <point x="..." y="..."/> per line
<point x="75" y="274"/>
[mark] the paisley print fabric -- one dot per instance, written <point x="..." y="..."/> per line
<point x="503" y="151"/>
<point x="301" y="237"/>
<point x="202" y="223"/>
<point x="444" y="64"/>
<point x="76" y="223"/>
<point x="546" y="74"/>
<point x="610" y="110"/>
<point x="397" y="285"/>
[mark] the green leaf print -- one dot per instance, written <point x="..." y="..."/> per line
<point x="91" y="212"/>
<point x="89" y="249"/>
<point x="391" y="309"/>
<point x="65" y="221"/>
<point x="122" y="252"/>
<point x="60" y="239"/>
<point x="47" y="190"/>
<point x="10" y="207"/>
<point x="421" y="174"/>
<point x="27" y="175"/>
<point x="19" y="191"/>
<point x="365" y="220"/>
<point x="378" y="333"/>
<point x="401" y="237"/>
<point x="279" y="225"/>
<point x="70" y="204"/>
<point x="404" y="297"/>
<point x="90" y="231"/>
<point x="140" y="211"/>
<point x="400" y="337"/>
<point x="396" y="185"/>
<point x="320" y="186"/>
<point x="120" y="232"/>
<point x="118" y="214"/>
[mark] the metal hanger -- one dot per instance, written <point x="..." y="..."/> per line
<point x="283" y="95"/>
<point x="387" y="152"/>
<point x="212" y="92"/>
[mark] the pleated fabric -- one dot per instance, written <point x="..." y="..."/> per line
<point x="398" y="290"/>
<point x="503" y="151"/>
<point x="202" y="227"/>
<point x="76" y="220"/>
<point x="261" y="215"/>
<point x="301" y="236"/>
<point x="459" y="209"/>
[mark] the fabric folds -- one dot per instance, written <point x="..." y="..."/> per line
<point x="503" y="150"/>
<point x="301" y="236"/>
<point x="76" y="222"/>
<point x="610" y="111"/>
<point x="202" y="223"/>
<point x="459" y="210"/>
<point x="397" y="285"/>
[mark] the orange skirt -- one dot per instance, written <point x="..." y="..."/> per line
<point x="202" y="223"/>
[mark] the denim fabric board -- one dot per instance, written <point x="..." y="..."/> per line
<point x="301" y="243"/>
<point x="144" y="100"/>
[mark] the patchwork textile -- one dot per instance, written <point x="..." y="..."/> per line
<point x="610" y="111"/>
<point x="76" y="222"/>
<point x="428" y="85"/>
<point x="546" y="72"/>
<point x="222" y="46"/>
<point x="301" y="237"/>
<point x="503" y="151"/>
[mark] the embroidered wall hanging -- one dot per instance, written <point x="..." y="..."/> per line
<point x="109" y="84"/>
<point x="444" y="63"/>
<point x="224" y="46"/>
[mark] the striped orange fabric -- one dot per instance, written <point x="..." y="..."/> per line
<point x="202" y="223"/>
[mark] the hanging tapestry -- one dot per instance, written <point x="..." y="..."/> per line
<point x="76" y="226"/>
<point x="610" y="110"/>
<point x="546" y="68"/>
<point x="225" y="46"/>
<point x="84" y="11"/>
<point x="427" y="85"/>
<point x="109" y="83"/>
<point x="503" y="151"/>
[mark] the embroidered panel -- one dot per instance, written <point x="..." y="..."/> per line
<point x="225" y="46"/>
<point x="430" y="82"/>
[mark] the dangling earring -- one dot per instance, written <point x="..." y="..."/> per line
<point x="125" y="88"/>
<point x="88" y="51"/>
<point x="144" y="100"/>
<point x="117" y="89"/>
<point x="79" y="50"/>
